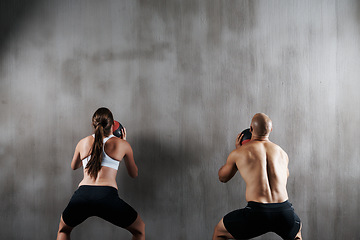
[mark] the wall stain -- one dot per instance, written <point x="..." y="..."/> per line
<point x="155" y="52"/>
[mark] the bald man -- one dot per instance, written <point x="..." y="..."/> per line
<point x="264" y="167"/>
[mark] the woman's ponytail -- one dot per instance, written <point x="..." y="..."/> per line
<point x="94" y="164"/>
<point x="102" y="122"/>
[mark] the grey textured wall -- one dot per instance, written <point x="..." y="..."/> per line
<point x="184" y="77"/>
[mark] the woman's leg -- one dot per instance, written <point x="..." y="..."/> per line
<point x="137" y="229"/>
<point x="220" y="232"/>
<point x="64" y="231"/>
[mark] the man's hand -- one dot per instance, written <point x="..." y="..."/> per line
<point x="238" y="140"/>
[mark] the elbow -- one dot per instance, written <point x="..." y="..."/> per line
<point x="223" y="179"/>
<point x="135" y="173"/>
<point x="75" y="166"/>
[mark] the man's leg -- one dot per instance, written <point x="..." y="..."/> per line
<point x="64" y="231"/>
<point x="298" y="236"/>
<point x="220" y="232"/>
<point x="137" y="229"/>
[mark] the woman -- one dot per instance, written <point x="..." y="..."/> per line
<point x="97" y="195"/>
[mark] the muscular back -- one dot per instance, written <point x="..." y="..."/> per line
<point x="264" y="167"/>
<point x="115" y="148"/>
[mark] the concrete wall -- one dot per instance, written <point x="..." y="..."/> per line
<point x="184" y="77"/>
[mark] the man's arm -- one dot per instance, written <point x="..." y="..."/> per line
<point x="227" y="171"/>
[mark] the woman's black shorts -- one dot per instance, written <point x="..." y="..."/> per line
<point x="100" y="201"/>
<point x="259" y="218"/>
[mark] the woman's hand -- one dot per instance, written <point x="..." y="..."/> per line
<point x="123" y="133"/>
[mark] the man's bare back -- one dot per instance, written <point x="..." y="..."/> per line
<point x="264" y="167"/>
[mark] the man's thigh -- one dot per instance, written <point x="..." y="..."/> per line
<point x="245" y="223"/>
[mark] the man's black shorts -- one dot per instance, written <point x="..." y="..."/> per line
<point x="101" y="201"/>
<point x="259" y="218"/>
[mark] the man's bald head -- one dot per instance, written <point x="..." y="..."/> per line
<point x="261" y="125"/>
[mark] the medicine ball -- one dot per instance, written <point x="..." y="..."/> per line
<point x="247" y="136"/>
<point x="117" y="129"/>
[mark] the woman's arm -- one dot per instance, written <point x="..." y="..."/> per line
<point x="130" y="162"/>
<point x="76" y="161"/>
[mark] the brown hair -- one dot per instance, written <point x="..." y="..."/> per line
<point x="102" y="121"/>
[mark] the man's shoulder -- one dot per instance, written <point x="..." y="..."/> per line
<point x="276" y="148"/>
<point x="275" y="145"/>
<point x="253" y="146"/>
<point x="243" y="150"/>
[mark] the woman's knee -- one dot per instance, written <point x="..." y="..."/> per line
<point x="141" y="227"/>
<point x="63" y="228"/>
<point x="137" y="227"/>
<point x="220" y="232"/>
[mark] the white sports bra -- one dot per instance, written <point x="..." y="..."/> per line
<point x="106" y="160"/>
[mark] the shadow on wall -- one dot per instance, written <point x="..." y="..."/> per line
<point x="358" y="10"/>
<point x="163" y="176"/>
<point x="12" y="14"/>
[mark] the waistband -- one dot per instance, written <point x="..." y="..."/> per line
<point x="94" y="187"/>
<point x="285" y="204"/>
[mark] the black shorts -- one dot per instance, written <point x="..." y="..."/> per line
<point x="259" y="218"/>
<point x="100" y="201"/>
